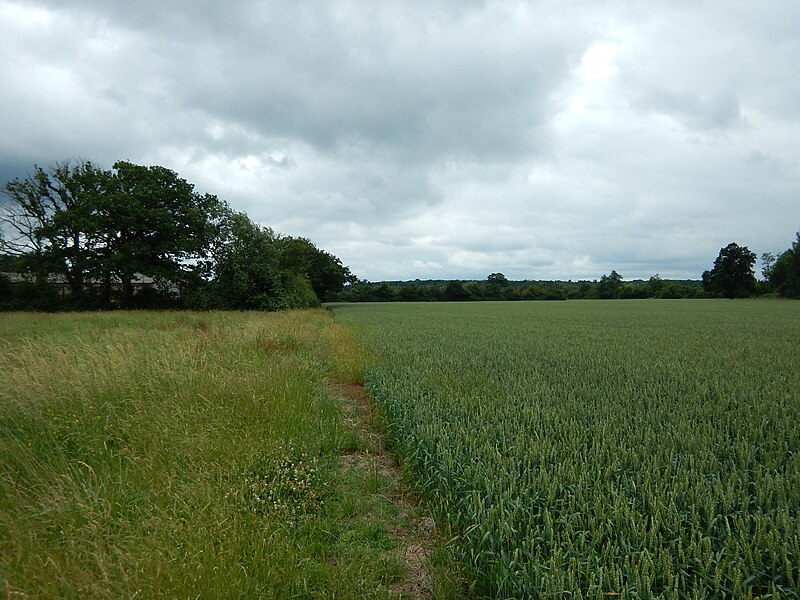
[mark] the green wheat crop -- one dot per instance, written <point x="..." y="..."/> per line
<point x="634" y="449"/>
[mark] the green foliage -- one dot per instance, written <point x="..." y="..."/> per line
<point x="654" y="285"/>
<point x="84" y="235"/>
<point x="610" y="286"/>
<point x="80" y="223"/>
<point x="249" y="270"/>
<point x="50" y="223"/>
<point x="6" y="293"/>
<point x="152" y="222"/>
<point x="245" y="273"/>
<point x="732" y="275"/>
<point x="768" y="265"/>
<point x="324" y="271"/>
<point x="455" y="291"/>
<point x="298" y="292"/>
<point x="636" y="449"/>
<point x="784" y="272"/>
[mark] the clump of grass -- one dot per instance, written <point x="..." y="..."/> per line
<point x="121" y="434"/>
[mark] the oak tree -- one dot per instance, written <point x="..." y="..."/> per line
<point x="732" y="275"/>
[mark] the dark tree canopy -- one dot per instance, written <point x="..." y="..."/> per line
<point x="247" y="273"/>
<point x="496" y="285"/>
<point x="609" y="286"/>
<point x="101" y="231"/>
<point x="324" y="271"/>
<point x="83" y="223"/>
<point x="732" y="275"/>
<point x="244" y="273"/>
<point x="49" y="218"/>
<point x="784" y="271"/>
<point x="153" y="223"/>
<point x="455" y="291"/>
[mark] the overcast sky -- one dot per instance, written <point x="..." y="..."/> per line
<point x="421" y="139"/>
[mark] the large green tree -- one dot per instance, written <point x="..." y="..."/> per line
<point x="49" y="221"/>
<point x="732" y="275"/>
<point x="325" y="272"/>
<point x="610" y="286"/>
<point x="80" y="222"/>
<point x="247" y="271"/>
<point x="496" y="286"/>
<point x="88" y="225"/>
<point x="784" y="273"/>
<point x="153" y="223"/>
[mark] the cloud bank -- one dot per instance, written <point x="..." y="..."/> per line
<point x="435" y="139"/>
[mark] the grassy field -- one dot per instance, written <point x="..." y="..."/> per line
<point x="630" y="449"/>
<point x="179" y="455"/>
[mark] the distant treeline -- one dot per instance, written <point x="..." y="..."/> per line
<point x="77" y="237"/>
<point x="497" y="287"/>
<point x="731" y="276"/>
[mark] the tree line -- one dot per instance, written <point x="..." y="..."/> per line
<point x="76" y="236"/>
<point x="731" y="276"/>
<point x="497" y="287"/>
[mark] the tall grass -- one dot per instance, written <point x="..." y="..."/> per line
<point x="587" y="449"/>
<point x="177" y="455"/>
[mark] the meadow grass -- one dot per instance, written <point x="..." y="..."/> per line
<point x="183" y="455"/>
<point x="631" y="449"/>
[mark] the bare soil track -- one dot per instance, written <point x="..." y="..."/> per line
<point x="417" y="533"/>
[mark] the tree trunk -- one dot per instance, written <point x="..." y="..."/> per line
<point x="127" y="290"/>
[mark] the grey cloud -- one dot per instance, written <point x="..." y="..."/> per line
<point x="434" y="138"/>
<point x="409" y="89"/>
<point x="699" y="111"/>
<point x="422" y="84"/>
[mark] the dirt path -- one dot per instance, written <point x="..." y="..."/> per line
<point x="417" y="532"/>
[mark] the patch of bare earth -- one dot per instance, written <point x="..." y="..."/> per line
<point x="417" y="530"/>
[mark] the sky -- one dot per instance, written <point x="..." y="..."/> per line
<point x="446" y="139"/>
